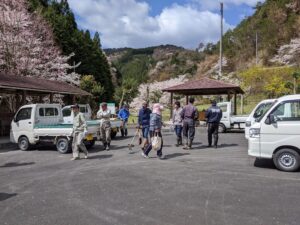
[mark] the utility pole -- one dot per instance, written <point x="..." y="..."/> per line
<point x="256" y="48"/>
<point x="221" y="42"/>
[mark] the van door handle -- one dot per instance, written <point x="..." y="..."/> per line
<point x="29" y="122"/>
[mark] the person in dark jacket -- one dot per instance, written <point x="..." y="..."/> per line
<point x="144" y="123"/>
<point x="189" y="114"/>
<point x="155" y="128"/>
<point x="213" y="116"/>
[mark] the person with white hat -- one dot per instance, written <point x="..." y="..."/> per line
<point x="155" y="129"/>
<point x="78" y="133"/>
<point x="105" y="126"/>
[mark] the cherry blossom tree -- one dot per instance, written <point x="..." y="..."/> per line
<point x="27" y="45"/>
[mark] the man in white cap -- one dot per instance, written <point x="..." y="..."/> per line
<point x="105" y="126"/>
<point x="79" y="132"/>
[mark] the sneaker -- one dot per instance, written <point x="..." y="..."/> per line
<point x="74" y="158"/>
<point x="161" y="156"/>
<point x="144" y="155"/>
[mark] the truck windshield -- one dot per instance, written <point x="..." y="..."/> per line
<point x="266" y="109"/>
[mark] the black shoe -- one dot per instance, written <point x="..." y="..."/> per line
<point x="104" y="146"/>
<point x="209" y="146"/>
<point x="216" y="146"/>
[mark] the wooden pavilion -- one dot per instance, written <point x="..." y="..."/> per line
<point x="205" y="86"/>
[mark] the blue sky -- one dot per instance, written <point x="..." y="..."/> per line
<point x="143" y="23"/>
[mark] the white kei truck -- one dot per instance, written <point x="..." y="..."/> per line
<point x="43" y="123"/>
<point x="276" y="134"/>
<point x="230" y="121"/>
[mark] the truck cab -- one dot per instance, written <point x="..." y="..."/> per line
<point x="276" y="134"/>
<point x="256" y="113"/>
<point x="229" y="120"/>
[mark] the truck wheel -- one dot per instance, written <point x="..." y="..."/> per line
<point x="63" y="145"/>
<point x="113" y="134"/>
<point x="23" y="143"/>
<point x="222" y="128"/>
<point x="287" y="160"/>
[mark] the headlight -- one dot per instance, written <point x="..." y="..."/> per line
<point x="248" y="123"/>
<point x="254" y="132"/>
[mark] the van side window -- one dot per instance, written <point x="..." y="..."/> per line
<point x="288" y="111"/>
<point x="82" y="109"/>
<point x="48" y="111"/>
<point x="223" y="108"/>
<point x="66" y="112"/>
<point x="24" y="114"/>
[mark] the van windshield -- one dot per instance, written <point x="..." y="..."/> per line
<point x="266" y="109"/>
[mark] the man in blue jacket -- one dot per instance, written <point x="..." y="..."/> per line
<point x="144" y="123"/>
<point x="214" y="116"/>
<point x="123" y="116"/>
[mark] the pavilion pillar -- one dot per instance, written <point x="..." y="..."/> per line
<point x="242" y="104"/>
<point x="235" y="105"/>
<point x="228" y="97"/>
<point x="41" y="98"/>
<point x="186" y="99"/>
<point x="23" y="102"/>
<point x="51" y="97"/>
<point x="171" y="103"/>
<point x="73" y="99"/>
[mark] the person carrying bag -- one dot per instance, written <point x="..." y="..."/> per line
<point x="155" y="132"/>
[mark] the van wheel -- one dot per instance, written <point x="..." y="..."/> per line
<point x="23" y="143"/>
<point x="63" y="145"/>
<point x="222" y="128"/>
<point x="287" y="160"/>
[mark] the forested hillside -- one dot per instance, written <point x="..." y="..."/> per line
<point x="88" y="55"/>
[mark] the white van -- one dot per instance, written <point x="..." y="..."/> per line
<point x="276" y="135"/>
<point x="256" y="113"/>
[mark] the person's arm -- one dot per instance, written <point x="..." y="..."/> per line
<point x="173" y="117"/>
<point x="140" y="118"/>
<point x="221" y="115"/>
<point x="207" y="113"/>
<point x="182" y="113"/>
<point x="99" y="116"/>
<point x="83" y="122"/>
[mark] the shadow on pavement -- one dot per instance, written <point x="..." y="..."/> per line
<point x="15" y="164"/>
<point x="174" y="155"/>
<point x="264" y="163"/>
<point x="100" y="156"/>
<point x="4" y="196"/>
<point x="226" y="145"/>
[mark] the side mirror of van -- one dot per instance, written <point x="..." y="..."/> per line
<point x="271" y="119"/>
<point x="15" y="119"/>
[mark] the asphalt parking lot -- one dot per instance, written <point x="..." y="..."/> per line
<point x="200" y="186"/>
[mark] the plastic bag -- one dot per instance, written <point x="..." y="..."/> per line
<point x="156" y="143"/>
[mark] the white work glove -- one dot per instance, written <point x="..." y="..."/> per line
<point x="85" y="133"/>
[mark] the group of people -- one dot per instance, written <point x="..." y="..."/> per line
<point x="150" y="124"/>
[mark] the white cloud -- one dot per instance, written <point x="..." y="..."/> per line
<point x="128" y="23"/>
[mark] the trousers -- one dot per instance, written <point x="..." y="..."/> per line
<point x="189" y="129"/>
<point x="149" y="147"/>
<point x="78" y="144"/>
<point x="213" y="131"/>
<point x="105" y="131"/>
